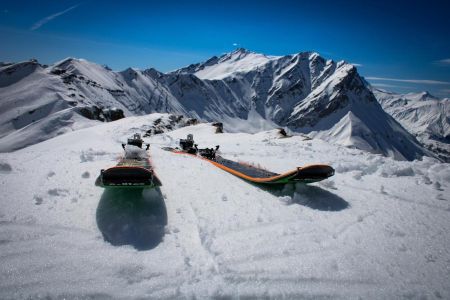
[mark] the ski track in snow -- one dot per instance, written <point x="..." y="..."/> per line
<point x="377" y="229"/>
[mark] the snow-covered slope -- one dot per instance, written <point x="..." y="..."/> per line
<point x="130" y="90"/>
<point x="33" y="106"/>
<point x="422" y="114"/>
<point x="307" y="94"/>
<point x="377" y="229"/>
<point x="244" y="90"/>
<point x="39" y="102"/>
<point x="238" y="61"/>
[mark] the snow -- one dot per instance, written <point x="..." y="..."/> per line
<point x="54" y="124"/>
<point x="240" y="61"/>
<point x="82" y="67"/>
<point x="134" y="152"/>
<point x="253" y="124"/>
<point x="34" y="107"/>
<point x="377" y="229"/>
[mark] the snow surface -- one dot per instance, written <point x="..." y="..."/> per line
<point x="240" y="61"/>
<point x="377" y="229"/>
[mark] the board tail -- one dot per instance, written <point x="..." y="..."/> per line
<point x="134" y="177"/>
<point x="313" y="173"/>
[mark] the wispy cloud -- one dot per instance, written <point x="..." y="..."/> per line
<point x="235" y="44"/>
<point x="45" y="20"/>
<point x="385" y="85"/>
<point x="444" y="93"/>
<point x="417" y="81"/>
<point x="443" y="62"/>
<point x="357" y="65"/>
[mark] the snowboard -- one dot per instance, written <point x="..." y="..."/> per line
<point x="306" y="174"/>
<point x="132" y="171"/>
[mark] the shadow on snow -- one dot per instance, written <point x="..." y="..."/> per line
<point x="311" y="196"/>
<point x="135" y="217"/>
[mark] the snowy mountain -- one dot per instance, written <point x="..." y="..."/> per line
<point x="39" y="102"/>
<point x="422" y="114"/>
<point x="33" y="106"/>
<point x="378" y="229"/>
<point x="246" y="91"/>
<point x="307" y="94"/>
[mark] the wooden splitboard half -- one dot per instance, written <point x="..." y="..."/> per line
<point x="129" y="173"/>
<point x="305" y="174"/>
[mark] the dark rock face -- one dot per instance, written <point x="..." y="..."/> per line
<point x="92" y="113"/>
<point x="350" y="89"/>
<point x="219" y="127"/>
<point x="96" y="113"/>
<point x="57" y="71"/>
<point x="162" y="125"/>
<point x="113" y="114"/>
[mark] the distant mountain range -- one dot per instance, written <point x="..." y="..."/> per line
<point x="423" y="115"/>
<point x="246" y="91"/>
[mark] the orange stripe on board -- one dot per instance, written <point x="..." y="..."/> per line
<point x="254" y="179"/>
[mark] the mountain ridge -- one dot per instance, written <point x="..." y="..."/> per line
<point x="296" y="91"/>
<point x="424" y="115"/>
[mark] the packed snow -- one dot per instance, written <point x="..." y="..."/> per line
<point x="377" y="229"/>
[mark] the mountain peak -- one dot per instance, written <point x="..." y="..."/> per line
<point x="66" y="62"/>
<point x="238" y="61"/>
<point x="314" y="55"/>
<point x="421" y="96"/>
<point x="426" y="94"/>
<point x="241" y="51"/>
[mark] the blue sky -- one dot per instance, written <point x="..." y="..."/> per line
<point x="399" y="45"/>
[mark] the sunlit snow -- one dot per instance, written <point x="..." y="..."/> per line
<point x="377" y="229"/>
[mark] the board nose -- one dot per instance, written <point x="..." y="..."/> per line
<point x="314" y="172"/>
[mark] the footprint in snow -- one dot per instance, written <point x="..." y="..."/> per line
<point x="427" y="180"/>
<point x="38" y="200"/>
<point x="437" y="186"/>
<point x="5" y="168"/>
<point x="57" y="192"/>
<point x="441" y="197"/>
